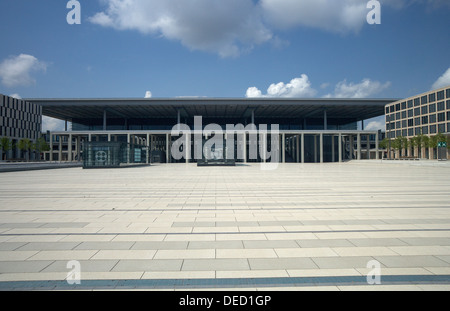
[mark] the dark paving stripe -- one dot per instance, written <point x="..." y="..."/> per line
<point x="227" y="283"/>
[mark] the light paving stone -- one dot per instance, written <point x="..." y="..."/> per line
<point x="190" y="237"/>
<point x="324" y="243"/>
<point x="421" y="250"/>
<point x="85" y="265"/>
<point x="123" y="254"/>
<point x="147" y="265"/>
<point x="63" y="255"/>
<point x="305" y="252"/>
<point x="341" y="262"/>
<point x="245" y="253"/>
<point x="364" y="251"/>
<point x="18" y="277"/>
<point x="411" y="261"/>
<point x="377" y="242"/>
<point x="6" y="246"/>
<point x="178" y="275"/>
<point x="323" y="272"/>
<point x="281" y="263"/>
<point x="270" y="244"/>
<point x="215" y="265"/>
<point x="24" y="266"/>
<point x="47" y="246"/>
<point x="158" y="245"/>
<point x="215" y="245"/>
<point x="251" y="274"/>
<point x="16" y="255"/>
<point x="240" y="237"/>
<point x="185" y="254"/>
<point x="104" y="246"/>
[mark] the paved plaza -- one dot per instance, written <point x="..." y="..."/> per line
<point x="183" y="227"/>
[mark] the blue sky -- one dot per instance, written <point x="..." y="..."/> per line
<point x="216" y="48"/>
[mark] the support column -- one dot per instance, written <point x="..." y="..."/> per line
<point x="321" y="147"/>
<point x="188" y="148"/>
<point x="377" y="146"/>
<point x="352" y="146"/>
<point x="147" y="161"/>
<point x="104" y="120"/>
<point x="325" y="120"/>
<point x="89" y="137"/>
<point x="332" y="148"/>
<point x="283" y="145"/>
<point x="368" y="147"/>
<point x="302" y="148"/>
<point x="340" y="147"/>
<point x="69" y="148"/>
<point x="245" y="147"/>
<point x="167" y="148"/>
<point x="60" y="149"/>
<point x="315" y="148"/>
<point x="51" y="147"/>
<point x="128" y="147"/>
<point x="297" y="147"/>
<point x="358" y="146"/>
<point x="78" y="144"/>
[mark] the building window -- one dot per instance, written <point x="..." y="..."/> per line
<point x="448" y="104"/>
<point x="440" y="95"/>
<point x="432" y="129"/>
<point x="417" y="112"/>
<point x="397" y="124"/>
<point x="424" y="100"/>
<point x="441" y="106"/>
<point x="424" y="120"/>
<point x="448" y="127"/>
<point x="448" y="93"/>
<point x="432" y="118"/>
<point x="397" y="107"/>
<point x="425" y="130"/>
<point x="431" y="97"/>
<point x="432" y="108"/>
<point x="424" y="109"/>
<point x="398" y="133"/>
<point x="404" y="114"/>
<point x="411" y="132"/>
<point x="391" y="109"/>
<point x="441" y="117"/>
<point x="387" y="110"/>
<point x="416" y="102"/>
<point x="441" y="128"/>
<point x="410" y="122"/>
<point x="410" y="103"/>
<point x="417" y="121"/>
<point x="410" y="113"/>
<point x="403" y="105"/>
<point x="404" y="123"/>
<point x="417" y="130"/>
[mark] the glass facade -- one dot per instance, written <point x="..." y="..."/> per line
<point x="112" y="154"/>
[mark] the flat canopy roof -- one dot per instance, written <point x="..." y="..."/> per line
<point x="69" y="109"/>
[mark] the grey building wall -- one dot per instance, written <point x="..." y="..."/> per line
<point x="19" y="119"/>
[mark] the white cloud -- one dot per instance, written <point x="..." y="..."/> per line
<point x="16" y="70"/>
<point x="224" y="27"/>
<point x="148" y="94"/>
<point x="15" y="95"/>
<point x="50" y="124"/>
<point x="330" y="15"/>
<point x="298" y="87"/>
<point x="376" y="124"/>
<point x="365" y="88"/>
<point x="443" y="81"/>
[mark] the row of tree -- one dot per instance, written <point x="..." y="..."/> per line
<point x="25" y="145"/>
<point x="420" y="141"/>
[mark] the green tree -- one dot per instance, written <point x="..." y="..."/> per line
<point x="41" y="145"/>
<point x="25" y="145"/>
<point x="5" y="145"/>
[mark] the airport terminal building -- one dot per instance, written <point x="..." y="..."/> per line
<point x="309" y="130"/>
